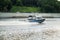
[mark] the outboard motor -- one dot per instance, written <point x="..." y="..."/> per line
<point x="42" y="20"/>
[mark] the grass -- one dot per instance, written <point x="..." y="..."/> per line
<point x="25" y="9"/>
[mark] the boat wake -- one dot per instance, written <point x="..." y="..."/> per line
<point x="16" y="23"/>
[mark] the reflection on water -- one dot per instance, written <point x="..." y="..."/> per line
<point x="49" y="30"/>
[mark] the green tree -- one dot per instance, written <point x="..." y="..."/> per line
<point x="5" y="5"/>
<point x="30" y="2"/>
<point x="49" y="6"/>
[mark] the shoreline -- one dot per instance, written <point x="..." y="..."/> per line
<point x="27" y="17"/>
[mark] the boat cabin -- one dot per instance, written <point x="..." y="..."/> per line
<point x="34" y="18"/>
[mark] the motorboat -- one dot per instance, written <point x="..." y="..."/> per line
<point x="31" y="20"/>
<point x="36" y="19"/>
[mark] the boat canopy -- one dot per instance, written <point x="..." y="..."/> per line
<point x="35" y="17"/>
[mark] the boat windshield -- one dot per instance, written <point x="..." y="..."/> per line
<point x="38" y="18"/>
<point x="33" y="17"/>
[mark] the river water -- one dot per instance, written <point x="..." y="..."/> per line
<point x="18" y="29"/>
<point x="48" y="30"/>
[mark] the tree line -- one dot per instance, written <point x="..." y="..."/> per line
<point x="46" y="6"/>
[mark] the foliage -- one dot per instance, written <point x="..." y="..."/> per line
<point x="5" y="5"/>
<point x="48" y="6"/>
<point x="51" y="6"/>
<point x="24" y="9"/>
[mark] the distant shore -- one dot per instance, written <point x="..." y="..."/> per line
<point x="26" y="17"/>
